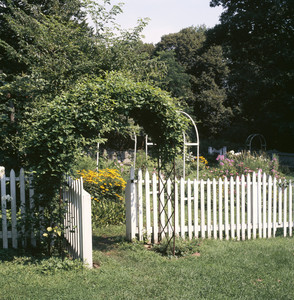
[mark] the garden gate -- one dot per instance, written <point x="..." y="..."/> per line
<point x="17" y="200"/>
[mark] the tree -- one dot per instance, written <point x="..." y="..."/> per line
<point x="48" y="54"/>
<point x="207" y="71"/>
<point x="10" y="58"/>
<point x="175" y="80"/>
<point x="54" y="47"/>
<point x="257" y="38"/>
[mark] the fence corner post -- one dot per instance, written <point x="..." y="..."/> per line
<point x="131" y="201"/>
<point x="87" y="229"/>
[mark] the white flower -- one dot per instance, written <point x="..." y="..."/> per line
<point x="2" y="171"/>
<point x="6" y="198"/>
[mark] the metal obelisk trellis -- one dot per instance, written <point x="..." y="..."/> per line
<point x="166" y="209"/>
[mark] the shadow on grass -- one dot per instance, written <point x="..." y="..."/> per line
<point x="26" y="256"/>
<point x="107" y="243"/>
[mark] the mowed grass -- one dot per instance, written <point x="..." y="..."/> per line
<point x="259" y="269"/>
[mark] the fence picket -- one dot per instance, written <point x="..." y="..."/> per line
<point x="140" y="205"/>
<point x="238" y="207"/>
<point x="249" y="207"/>
<point x="280" y="202"/>
<point x="269" y="214"/>
<point x="290" y="209"/>
<point x="274" y="207"/>
<point x="147" y="197"/>
<point x="264" y="205"/>
<point x="189" y="202"/>
<point x="232" y="208"/>
<point x="259" y="204"/>
<point x="23" y="204"/>
<point x="220" y="208"/>
<point x="285" y="212"/>
<point x="13" y="208"/>
<point x="176" y="216"/>
<point x="243" y="212"/>
<point x="226" y="208"/>
<point x="169" y="208"/>
<point x="182" y="199"/>
<point x="4" y="216"/>
<point x="254" y="205"/>
<point x="196" y="208"/>
<point x="208" y="184"/>
<point x="155" y="217"/>
<point x="214" y="209"/>
<point x="202" y="195"/>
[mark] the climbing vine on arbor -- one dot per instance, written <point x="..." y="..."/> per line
<point x="93" y="107"/>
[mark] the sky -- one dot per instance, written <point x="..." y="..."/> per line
<point x="167" y="16"/>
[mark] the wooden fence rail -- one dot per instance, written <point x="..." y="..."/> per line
<point x="242" y="208"/>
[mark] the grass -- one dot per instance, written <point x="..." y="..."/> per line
<point x="255" y="269"/>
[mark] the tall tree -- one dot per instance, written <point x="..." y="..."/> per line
<point x="11" y="61"/>
<point x="257" y="38"/>
<point x="207" y="71"/>
<point x="44" y="48"/>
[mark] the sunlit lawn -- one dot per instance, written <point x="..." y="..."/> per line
<point x="259" y="269"/>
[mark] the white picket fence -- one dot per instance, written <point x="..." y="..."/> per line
<point x="242" y="208"/>
<point x="78" y="221"/>
<point x="17" y="196"/>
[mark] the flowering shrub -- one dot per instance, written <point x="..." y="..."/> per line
<point x="106" y="188"/>
<point x="242" y="164"/>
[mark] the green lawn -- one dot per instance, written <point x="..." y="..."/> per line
<point x="260" y="269"/>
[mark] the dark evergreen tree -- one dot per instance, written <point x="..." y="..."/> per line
<point x="258" y="40"/>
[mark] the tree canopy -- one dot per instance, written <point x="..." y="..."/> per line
<point x="206" y="68"/>
<point x="257" y="38"/>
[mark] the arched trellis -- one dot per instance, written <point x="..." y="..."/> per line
<point x="185" y="145"/>
<point x="192" y="144"/>
<point x="261" y="138"/>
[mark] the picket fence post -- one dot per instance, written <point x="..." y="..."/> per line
<point x="86" y="221"/>
<point x="131" y="206"/>
<point x="3" y="208"/>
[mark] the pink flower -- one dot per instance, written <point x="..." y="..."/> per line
<point x="220" y="157"/>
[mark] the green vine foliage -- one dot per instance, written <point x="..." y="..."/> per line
<point x="58" y="131"/>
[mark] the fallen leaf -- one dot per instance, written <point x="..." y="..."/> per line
<point x="96" y="266"/>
